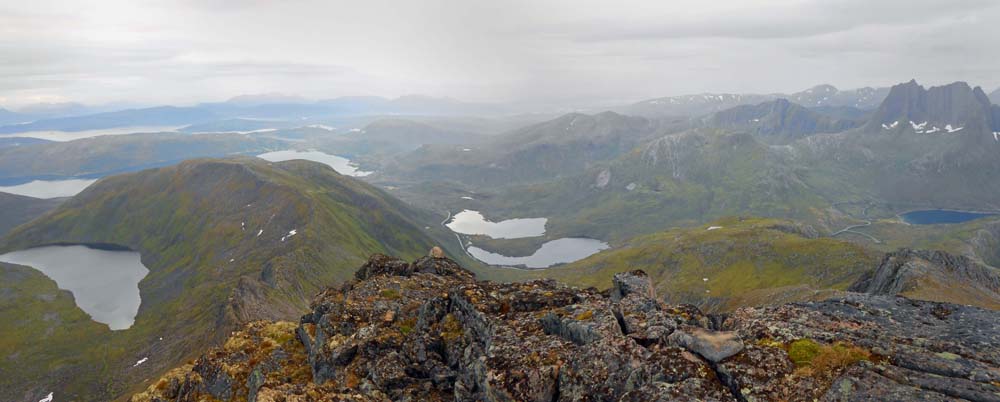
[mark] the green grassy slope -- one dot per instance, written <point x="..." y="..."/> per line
<point x="749" y="261"/>
<point x="681" y="179"/>
<point x="43" y="335"/>
<point x="17" y="209"/>
<point x="215" y="237"/>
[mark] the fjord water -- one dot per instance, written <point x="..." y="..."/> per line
<point x="49" y="188"/>
<point x="63" y="136"/>
<point x="474" y="223"/>
<point x="342" y="165"/>
<point x="104" y="283"/>
<point x="554" y="252"/>
<point x="940" y="216"/>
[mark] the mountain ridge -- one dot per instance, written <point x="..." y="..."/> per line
<point x="695" y="105"/>
<point x="226" y="241"/>
<point x="779" y="121"/>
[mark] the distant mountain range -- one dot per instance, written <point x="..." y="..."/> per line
<point x="155" y="116"/>
<point x="280" y="108"/>
<point x="779" y="121"/>
<point x="8" y="117"/>
<point x="250" y="107"/>
<point x="995" y="96"/>
<point x="703" y="104"/>
<point x="106" y="155"/>
<point x="556" y="148"/>
<point x="938" y="147"/>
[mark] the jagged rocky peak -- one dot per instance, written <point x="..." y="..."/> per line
<point x="944" y="109"/>
<point x="933" y="275"/>
<point x="428" y="331"/>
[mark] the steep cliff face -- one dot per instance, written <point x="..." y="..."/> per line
<point x="429" y="331"/>
<point x="949" y="108"/>
<point x="933" y="275"/>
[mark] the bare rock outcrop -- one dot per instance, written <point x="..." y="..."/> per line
<point x="428" y="331"/>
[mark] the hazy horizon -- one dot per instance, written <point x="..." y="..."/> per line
<point x="558" y="53"/>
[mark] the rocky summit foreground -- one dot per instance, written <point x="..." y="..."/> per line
<point x="428" y="331"/>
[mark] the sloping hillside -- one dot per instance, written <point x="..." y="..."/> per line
<point x="17" y="209"/>
<point x="778" y="121"/>
<point x="226" y="242"/>
<point x="106" y="155"/>
<point x="561" y="147"/>
<point x="730" y="263"/>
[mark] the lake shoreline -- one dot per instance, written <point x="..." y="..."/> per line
<point x="941" y="216"/>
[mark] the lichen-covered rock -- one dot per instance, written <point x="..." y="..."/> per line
<point x="712" y="345"/>
<point x="427" y="331"/>
<point x="933" y="275"/>
<point x="631" y="283"/>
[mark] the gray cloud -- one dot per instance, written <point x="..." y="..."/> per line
<point x="572" y="52"/>
<point x="793" y="20"/>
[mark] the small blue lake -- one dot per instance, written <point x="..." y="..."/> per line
<point x="939" y="216"/>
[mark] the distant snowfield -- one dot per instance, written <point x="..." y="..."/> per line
<point x="342" y="165"/>
<point x="49" y="188"/>
<point x="62" y="136"/>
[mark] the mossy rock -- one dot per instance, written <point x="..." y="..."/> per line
<point x="803" y="351"/>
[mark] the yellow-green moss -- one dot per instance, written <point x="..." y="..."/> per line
<point x="803" y="351"/>
<point x="451" y="329"/>
<point x="391" y="294"/>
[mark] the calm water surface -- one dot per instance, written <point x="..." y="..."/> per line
<point x="939" y="216"/>
<point x="49" y="188"/>
<point x="554" y="252"/>
<point x="61" y="136"/>
<point x="104" y="283"/>
<point x="473" y="223"/>
<point x="342" y="165"/>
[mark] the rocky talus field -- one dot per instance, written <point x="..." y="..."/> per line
<point x="429" y="331"/>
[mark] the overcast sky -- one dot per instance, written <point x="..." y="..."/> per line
<point x="566" y="52"/>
